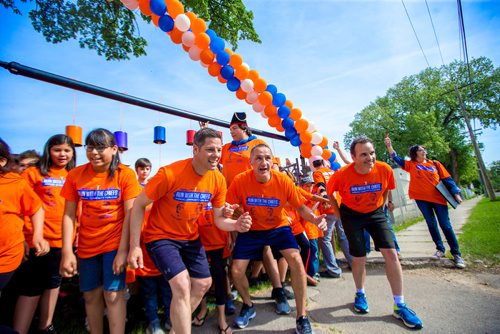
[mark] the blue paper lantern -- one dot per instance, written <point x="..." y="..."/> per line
<point x="227" y="72"/>
<point x="121" y="140"/>
<point x="158" y="7"/>
<point x="233" y="84"/>
<point x="279" y="99"/>
<point x="160" y="137"/>
<point x="166" y="23"/>
<point x="284" y="112"/>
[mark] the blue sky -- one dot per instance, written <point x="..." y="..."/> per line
<point x="330" y="58"/>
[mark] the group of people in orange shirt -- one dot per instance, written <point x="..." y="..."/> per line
<point x="170" y="227"/>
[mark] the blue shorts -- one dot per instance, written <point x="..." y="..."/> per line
<point x="174" y="256"/>
<point x="249" y="245"/>
<point x="97" y="271"/>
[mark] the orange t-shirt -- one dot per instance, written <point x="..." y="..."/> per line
<point x="423" y="180"/>
<point x="17" y="200"/>
<point x="264" y="201"/>
<point x="179" y="196"/>
<point x="362" y="192"/>
<point x="323" y="174"/>
<point x="102" y="216"/>
<point x="236" y="159"/>
<point x="211" y="236"/>
<point x="294" y="218"/>
<point x="48" y="188"/>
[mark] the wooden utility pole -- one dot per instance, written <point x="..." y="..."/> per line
<point x="486" y="179"/>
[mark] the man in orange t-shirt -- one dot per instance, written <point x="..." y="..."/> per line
<point x="179" y="192"/>
<point x="364" y="185"/>
<point x="263" y="194"/>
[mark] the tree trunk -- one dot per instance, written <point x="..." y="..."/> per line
<point x="454" y="166"/>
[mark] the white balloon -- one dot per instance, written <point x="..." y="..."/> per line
<point x="263" y="114"/>
<point x="188" y="38"/>
<point x="252" y="97"/>
<point x="316" y="138"/>
<point x="316" y="150"/>
<point x="194" y="53"/>
<point x="245" y="65"/>
<point x="246" y="85"/>
<point x="182" y="22"/>
<point x="312" y="127"/>
<point x="257" y="107"/>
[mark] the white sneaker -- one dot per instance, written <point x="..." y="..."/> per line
<point x="459" y="262"/>
<point x="438" y="255"/>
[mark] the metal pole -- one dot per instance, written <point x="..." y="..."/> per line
<point x="16" y="68"/>
<point x="482" y="167"/>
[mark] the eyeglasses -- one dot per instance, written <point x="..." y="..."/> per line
<point x="99" y="149"/>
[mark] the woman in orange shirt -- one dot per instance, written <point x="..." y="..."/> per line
<point x="424" y="176"/>
<point x="107" y="190"/>
<point x="46" y="179"/>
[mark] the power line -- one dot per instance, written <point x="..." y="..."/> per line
<point x="434" y="29"/>
<point x="414" y="31"/>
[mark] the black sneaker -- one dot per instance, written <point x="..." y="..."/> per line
<point x="328" y="274"/>
<point x="49" y="330"/>
<point x="303" y="326"/>
<point x="282" y="306"/>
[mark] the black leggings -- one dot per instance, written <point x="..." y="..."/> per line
<point x="304" y="248"/>
<point x="218" y="272"/>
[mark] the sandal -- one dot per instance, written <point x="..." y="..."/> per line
<point x="200" y="321"/>
<point x="225" y="331"/>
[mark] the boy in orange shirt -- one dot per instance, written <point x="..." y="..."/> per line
<point x="364" y="185"/>
<point x="262" y="194"/>
<point x="179" y="193"/>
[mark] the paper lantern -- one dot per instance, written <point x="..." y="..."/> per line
<point x="190" y="137"/>
<point x="121" y="140"/>
<point x="160" y="137"/>
<point x="75" y="133"/>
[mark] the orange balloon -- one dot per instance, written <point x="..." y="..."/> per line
<point x="305" y="150"/>
<point x="240" y="94"/>
<point x="192" y="16"/>
<point x="221" y="79"/>
<point x="241" y="73"/>
<point x="301" y="125"/>
<point x="214" y="69"/>
<point x="259" y="85"/>
<point x="207" y="56"/>
<point x="236" y="60"/>
<point x="155" y="19"/>
<point x="324" y="143"/>
<point x="176" y="36"/>
<point x="305" y="137"/>
<point x="270" y="110"/>
<point x="174" y="8"/>
<point x="186" y="48"/>
<point x="265" y="98"/>
<point x="274" y="121"/>
<point x="144" y="7"/>
<point x="326" y="154"/>
<point x="295" y="114"/>
<point x="280" y="128"/>
<point x="289" y="104"/>
<point x="228" y="50"/>
<point x="202" y="40"/>
<point x="198" y="26"/>
<point x="253" y="75"/>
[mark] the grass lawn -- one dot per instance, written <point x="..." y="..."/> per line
<point x="480" y="237"/>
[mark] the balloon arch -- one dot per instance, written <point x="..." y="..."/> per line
<point x="205" y="46"/>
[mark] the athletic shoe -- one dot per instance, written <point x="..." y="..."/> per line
<point x="247" y="313"/>
<point x="282" y="306"/>
<point x="49" y="330"/>
<point x="328" y="274"/>
<point x="229" y="309"/>
<point x="409" y="317"/>
<point x="360" y="303"/>
<point x="317" y="277"/>
<point x="303" y="326"/>
<point x="289" y="294"/>
<point x="154" y="328"/>
<point x="459" y="262"/>
<point x="438" y="255"/>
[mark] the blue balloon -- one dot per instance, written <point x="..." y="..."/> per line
<point x="272" y="89"/>
<point x="279" y="99"/>
<point x="212" y="34"/>
<point x="227" y="72"/>
<point x="335" y="166"/>
<point x="166" y="23"/>
<point x="158" y="7"/>
<point x="216" y="44"/>
<point x="295" y="141"/>
<point x="333" y="157"/>
<point x="233" y="84"/>
<point x="284" y="112"/>
<point x="223" y="58"/>
<point x="287" y="123"/>
<point x="290" y="133"/>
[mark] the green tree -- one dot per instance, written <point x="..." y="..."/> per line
<point x="110" y="29"/>
<point x="494" y="172"/>
<point x="423" y="109"/>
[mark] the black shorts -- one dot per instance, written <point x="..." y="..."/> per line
<point x="39" y="273"/>
<point x="375" y="223"/>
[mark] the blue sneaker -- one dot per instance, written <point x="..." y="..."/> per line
<point x="229" y="309"/>
<point x="360" y="303"/>
<point x="247" y="313"/>
<point x="282" y="306"/>
<point x="303" y="326"/>
<point x="409" y="317"/>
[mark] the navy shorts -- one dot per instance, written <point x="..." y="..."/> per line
<point x="174" y="256"/>
<point x="39" y="273"/>
<point x="249" y="245"/>
<point x="375" y="223"/>
<point x="97" y="271"/>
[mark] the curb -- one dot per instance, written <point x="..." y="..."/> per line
<point x="415" y="262"/>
